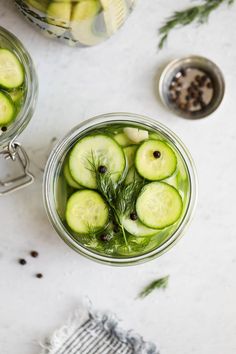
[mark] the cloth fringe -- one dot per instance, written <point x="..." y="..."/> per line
<point x="109" y="323"/>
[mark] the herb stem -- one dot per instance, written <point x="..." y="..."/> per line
<point x="197" y="13"/>
<point x="156" y="284"/>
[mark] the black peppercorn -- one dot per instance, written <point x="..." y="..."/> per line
<point x="183" y="72"/>
<point x="103" y="237"/>
<point x="102" y="169"/>
<point x="157" y="154"/>
<point x="22" y="261"/>
<point x="4" y="129"/>
<point x="39" y="275"/>
<point x="34" y="254"/>
<point x="133" y="216"/>
<point x="209" y="85"/>
<point x="116" y="228"/>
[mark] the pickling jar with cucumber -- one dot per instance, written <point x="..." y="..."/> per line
<point x="18" y="95"/>
<point x="77" y="22"/>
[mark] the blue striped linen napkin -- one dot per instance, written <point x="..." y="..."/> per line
<point x="90" y="332"/>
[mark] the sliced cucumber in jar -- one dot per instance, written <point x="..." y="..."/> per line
<point x="69" y="179"/>
<point x="130" y="152"/>
<point x="40" y="5"/>
<point x="11" y="70"/>
<point x="83" y="22"/>
<point x="96" y="153"/>
<point x="7" y="109"/>
<point x="58" y="14"/>
<point x="86" y="212"/>
<point x="159" y="205"/>
<point x="155" y="136"/>
<point x="132" y="176"/>
<point x="155" y="160"/>
<point x="115" y="13"/>
<point x="136" y="135"/>
<point x="122" y="139"/>
<point x="17" y="95"/>
<point x="136" y="228"/>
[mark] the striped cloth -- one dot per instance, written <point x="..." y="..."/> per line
<point x="96" y="333"/>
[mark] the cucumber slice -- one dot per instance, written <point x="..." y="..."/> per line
<point x="159" y="205"/>
<point x="155" y="136"/>
<point x="69" y="178"/>
<point x="136" y="135"/>
<point x="132" y="175"/>
<point x="58" y="14"/>
<point x="82" y="22"/>
<point x="11" y="70"/>
<point x="86" y="212"/>
<point x="7" y="109"/>
<point x="16" y="95"/>
<point x="130" y="152"/>
<point x="115" y="13"/>
<point x="155" y="168"/>
<point x="172" y="180"/>
<point x="136" y="228"/>
<point x="40" y="5"/>
<point x="122" y="139"/>
<point x="61" y="196"/>
<point x="100" y="150"/>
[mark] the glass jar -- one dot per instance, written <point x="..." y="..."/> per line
<point x="83" y="23"/>
<point x="54" y="166"/>
<point x="9" y="147"/>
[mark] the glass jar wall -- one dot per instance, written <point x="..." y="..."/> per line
<point x="81" y="22"/>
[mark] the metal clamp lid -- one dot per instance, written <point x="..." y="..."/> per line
<point x="15" y="152"/>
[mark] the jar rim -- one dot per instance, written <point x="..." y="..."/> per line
<point x="56" y="157"/>
<point x="26" y="112"/>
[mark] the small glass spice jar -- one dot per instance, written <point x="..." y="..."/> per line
<point x="77" y="23"/>
<point x="10" y="149"/>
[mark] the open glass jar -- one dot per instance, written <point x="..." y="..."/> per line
<point x="84" y="23"/>
<point x="57" y="191"/>
<point x="23" y="99"/>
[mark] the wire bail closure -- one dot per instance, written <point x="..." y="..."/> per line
<point x="15" y="152"/>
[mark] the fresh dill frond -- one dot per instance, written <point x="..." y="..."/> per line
<point x="120" y="198"/>
<point x="161" y="283"/>
<point x="198" y="13"/>
<point x="127" y="196"/>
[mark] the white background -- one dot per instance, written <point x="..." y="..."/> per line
<point x="197" y="313"/>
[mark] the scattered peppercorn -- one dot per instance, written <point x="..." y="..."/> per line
<point x="102" y="169"/>
<point x="34" y="254"/>
<point x="133" y="216"/>
<point x="39" y="275"/>
<point x="4" y="129"/>
<point x="22" y="261"/>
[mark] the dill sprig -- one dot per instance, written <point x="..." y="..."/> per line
<point x="121" y="198"/>
<point x="198" y="13"/>
<point x="161" y="283"/>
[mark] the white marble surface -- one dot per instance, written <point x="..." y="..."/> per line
<point x="197" y="313"/>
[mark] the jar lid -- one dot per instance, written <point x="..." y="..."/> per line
<point x="192" y="87"/>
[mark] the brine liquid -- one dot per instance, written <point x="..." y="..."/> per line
<point x="115" y="246"/>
